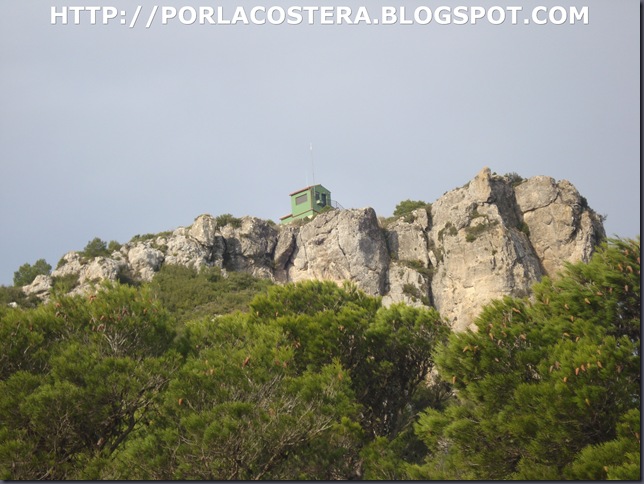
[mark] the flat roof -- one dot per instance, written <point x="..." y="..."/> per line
<point x="305" y="189"/>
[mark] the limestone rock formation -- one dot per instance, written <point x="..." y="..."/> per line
<point x="100" y="269"/>
<point x="561" y="226"/>
<point x="284" y="249"/>
<point x="70" y="264"/>
<point x="490" y="238"/>
<point x="145" y="261"/>
<point x="181" y="249"/>
<point x="342" y="245"/>
<point x="480" y="250"/>
<point x="204" y="230"/>
<point x="250" y="247"/>
<point x="40" y="286"/>
<point x="494" y="236"/>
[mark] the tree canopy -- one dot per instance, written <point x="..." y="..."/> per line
<point x="548" y="387"/>
<point x="408" y="206"/>
<point x="112" y="385"/>
<point x="201" y="376"/>
<point x="26" y="273"/>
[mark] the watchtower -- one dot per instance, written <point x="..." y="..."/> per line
<point x="307" y="202"/>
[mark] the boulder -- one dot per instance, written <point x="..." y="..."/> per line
<point x="70" y="263"/>
<point x="250" y="247"/>
<point x="562" y="228"/>
<point x="204" y="230"/>
<point x="183" y="250"/>
<point x="40" y="287"/>
<point x="342" y="245"/>
<point x="144" y="261"/>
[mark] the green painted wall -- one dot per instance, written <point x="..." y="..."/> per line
<point x="312" y="199"/>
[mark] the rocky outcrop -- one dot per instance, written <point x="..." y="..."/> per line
<point x="346" y="245"/>
<point x="86" y="272"/>
<point x="40" y="287"/>
<point x="249" y="246"/>
<point x="561" y="226"/>
<point x="145" y="261"/>
<point x="480" y="251"/>
<point x="495" y="236"/>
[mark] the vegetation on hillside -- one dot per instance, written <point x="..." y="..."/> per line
<point x="190" y="293"/>
<point x="208" y="375"/>
<point x="26" y="273"/>
<point x="405" y="211"/>
<point x="407" y="206"/>
<point x="548" y="387"/>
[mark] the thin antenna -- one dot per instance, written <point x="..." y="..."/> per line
<point x="306" y="174"/>
<point x="312" y="164"/>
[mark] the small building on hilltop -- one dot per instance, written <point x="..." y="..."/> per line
<point x="307" y="202"/>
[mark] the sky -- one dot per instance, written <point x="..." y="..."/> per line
<point x="113" y="130"/>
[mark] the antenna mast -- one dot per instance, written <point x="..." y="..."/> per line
<point x="312" y="164"/>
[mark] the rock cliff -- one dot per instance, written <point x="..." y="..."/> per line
<point x="495" y="236"/>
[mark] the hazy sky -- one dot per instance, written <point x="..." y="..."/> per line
<point x="109" y="131"/>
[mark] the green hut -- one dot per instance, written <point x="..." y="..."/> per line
<point x="307" y="202"/>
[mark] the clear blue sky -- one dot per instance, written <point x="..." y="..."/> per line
<point x="112" y="131"/>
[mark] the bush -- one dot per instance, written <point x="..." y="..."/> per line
<point x="407" y="206"/>
<point x="523" y="227"/>
<point x="419" y="267"/>
<point x="64" y="284"/>
<point x="95" y="248"/>
<point x="142" y="238"/>
<point x="514" y="179"/>
<point x="228" y="219"/>
<point x="548" y="387"/>
<point x="473" y="232"/>
<point x="113" y="246"/>
<point x="449" y="229"/>
<point x="12" y="294"/>
<point x="191" y="293"/>
<point x="26" y="273"/>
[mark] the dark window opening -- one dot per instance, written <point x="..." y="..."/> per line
<point x="300" y="200"/>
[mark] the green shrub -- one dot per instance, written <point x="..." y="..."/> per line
<point x="472" y="232"/>
<point x="61" y="262"/>
<point x="514" y="179"/>
<point x="475" y="214"/>
<point x="13" y="294"/>
<point x="142" y="238"/>
<point x="414" y="293"/>
<point x="64" y="284"/>
<point x="406" y="208"/>
<point x="419" y="267"/>
<point x="228" y="219"/>
<point x="191" y="293"/>
<point x="95" y="248"/>
<point x="26" y="273"/>
<point x="449" y="229"/>
<point x="113" y="246"/>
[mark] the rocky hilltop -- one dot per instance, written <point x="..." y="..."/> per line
<point x="495" y="236"/>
